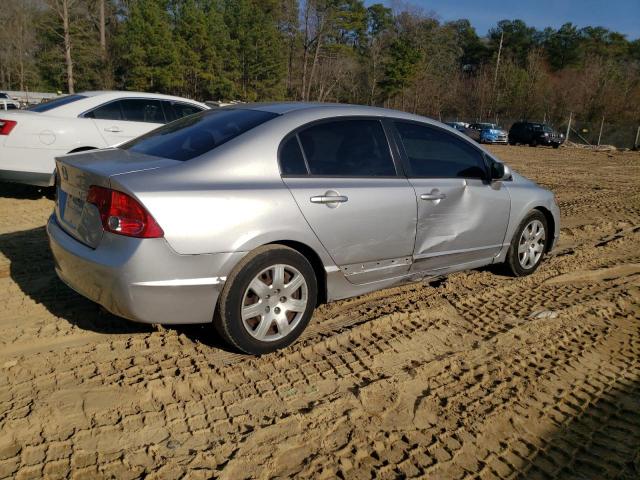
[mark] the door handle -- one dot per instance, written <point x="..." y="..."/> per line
<point x="329" y="199"/>
<point x="113" y="129"/>
<point x="433" y="196"/>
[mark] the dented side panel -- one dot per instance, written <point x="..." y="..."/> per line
<point x="459" y="221"/>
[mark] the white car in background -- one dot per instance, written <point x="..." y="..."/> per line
<point x="31" y="139"/>
<point x="8" y="103"/>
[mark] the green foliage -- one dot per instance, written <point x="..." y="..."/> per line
<point x="563" y="47"/>
<point x="256" y="45"/>
<point x="325" y="50"/>
<point x="149" y="56"/>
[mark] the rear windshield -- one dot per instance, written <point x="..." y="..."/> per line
<point x="197" y="134"/>
<point x="58" y="102"/>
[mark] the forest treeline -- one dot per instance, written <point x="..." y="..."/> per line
<point x="320" y="50"/>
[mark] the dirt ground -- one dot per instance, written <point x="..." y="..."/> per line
<point x="479" y="376"/>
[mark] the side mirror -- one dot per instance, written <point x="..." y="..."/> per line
<point x="500" y="171"/>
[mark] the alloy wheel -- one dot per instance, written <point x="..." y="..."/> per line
<point x="531" y="244"/>
<point x="274" y="302"/>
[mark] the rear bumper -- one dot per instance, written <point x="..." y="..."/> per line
<point x="142" y="279"/>
<point x="499" y="141"/>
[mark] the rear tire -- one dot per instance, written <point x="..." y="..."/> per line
<point x="528" y="245"/>
<point x="267" y="301"/>
<point x="533" y="143"/>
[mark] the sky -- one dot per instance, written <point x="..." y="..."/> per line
<point x="619" y="15"/>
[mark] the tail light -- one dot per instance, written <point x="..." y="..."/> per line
<point x="122" y="214"/>
<point x="6" y="126"/>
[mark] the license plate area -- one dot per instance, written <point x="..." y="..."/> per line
<point x="72" y="213"/>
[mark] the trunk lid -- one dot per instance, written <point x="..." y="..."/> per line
<point x="76" y="173"/>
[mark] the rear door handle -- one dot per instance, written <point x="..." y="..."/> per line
<point x="113" y="129"/>
<point x="329" y="199"/>
<point x="433" y="196"/>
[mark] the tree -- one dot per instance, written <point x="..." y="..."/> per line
<point x="63" y="9"/>
<point x="518" y="39"/>
<point x="563" y="47"/>
<point x="148" y="53"/>
<point x="256" y="42"/>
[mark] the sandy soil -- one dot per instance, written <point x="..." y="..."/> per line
<point x="479" y="376"/>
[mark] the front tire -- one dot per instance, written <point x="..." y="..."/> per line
<point x="267" y="300"/>
<point x="528" y="245"/>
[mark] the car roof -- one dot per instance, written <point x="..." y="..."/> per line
<point x="282" y="108"/>
<point x="125" y="93"/>
<point x="91" y="99"/>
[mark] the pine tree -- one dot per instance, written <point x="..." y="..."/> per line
<point x="149" y="54"/>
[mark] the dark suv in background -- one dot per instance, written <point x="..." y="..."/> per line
<point x="534" y="134"/>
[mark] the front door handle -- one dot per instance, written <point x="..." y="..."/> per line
<point x="329" y="199"/>
<point x="113" y="129"/>
<point x="433" y="196"/>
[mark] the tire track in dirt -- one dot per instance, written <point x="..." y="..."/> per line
<point x="478" y="376"/>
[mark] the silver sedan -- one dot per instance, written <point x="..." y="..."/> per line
<point x="249" y="217"/>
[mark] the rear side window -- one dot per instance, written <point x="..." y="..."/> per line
<point x="177" y="110"/>
<point x="142" y="110"/>
<point x="58" y="102"/>
<point x="434" y="153"/>
<point x="355" y="148"/>
<point x="108" y="111"/>
<point x="197" y="134"/>
<point x="291" y="159"/>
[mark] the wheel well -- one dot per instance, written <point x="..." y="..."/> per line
<point x="551" y="224"/>
<point x="310" y="254"/>
<point x="82" y="149"/>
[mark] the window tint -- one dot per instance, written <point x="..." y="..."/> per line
<point x="142" y="110"/>
<point x="108" y="111"/>
<point x="291" y="159"/>
<point x="435" y="153"/>
<point x="197" y="134"/>
<point x="183" y="110"/>
<point x="176" y="110"/>
<point x="347" y="148"/>
<point x="58" y="102"/>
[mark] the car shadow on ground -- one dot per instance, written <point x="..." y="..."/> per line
<point x="25" y="192"/>
<point x="32" y="269"/>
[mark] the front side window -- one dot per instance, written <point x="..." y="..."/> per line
<point x="352" y="148"/>
<point x="435" y="153"/>
<point x="197" y="134"/>
<point x="108" y="111"/>
<point x="142" y="110"/>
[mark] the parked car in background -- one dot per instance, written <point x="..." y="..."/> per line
<point x="487" y="133"/>
<point x="250" y="216"/>
<point x="460" y="126"/>
<point x="534" y="134"/>
<point x="31" y="139"/>
<point x="8" y="103"/>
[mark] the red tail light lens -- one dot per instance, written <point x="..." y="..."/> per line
<point x="122" y="214"/>
<point x="6" y="126"/>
